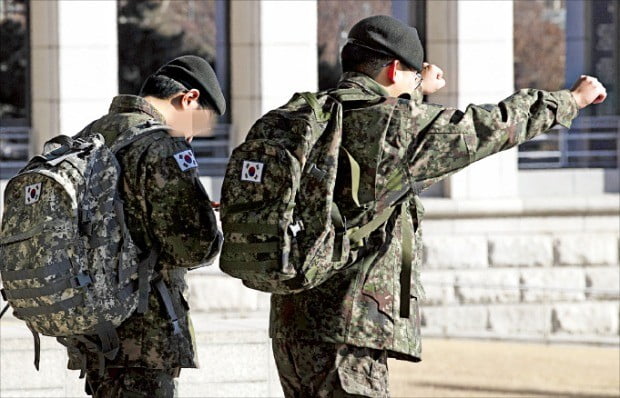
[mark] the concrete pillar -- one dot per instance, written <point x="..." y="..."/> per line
<point x="273" y="55"/>
<point x="473" y="42"/>
<point x="74" y="65"/>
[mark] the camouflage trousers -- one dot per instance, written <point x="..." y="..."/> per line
<point x="317" y="369"/>
<point x="132" y="382"/>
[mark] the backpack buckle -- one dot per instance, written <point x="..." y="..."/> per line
<point x="81" y="280"/>
<point x="176" y="328"/>
<point x="296" y="228"/>
<point x="316" y="172"/>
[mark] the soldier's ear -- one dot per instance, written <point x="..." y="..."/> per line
<point x="391" y="71"/>
<point x="190" y="99"/>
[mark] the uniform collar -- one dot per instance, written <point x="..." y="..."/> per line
<point x="370" y="85"/>
<point x="365" y="82"/>
<point x="132" y="104"/>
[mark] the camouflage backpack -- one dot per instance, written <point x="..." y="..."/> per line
<point x="283" y="232"/>
<point x="68" y="264"/>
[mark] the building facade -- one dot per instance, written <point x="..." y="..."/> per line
<point x="523" y="245"/>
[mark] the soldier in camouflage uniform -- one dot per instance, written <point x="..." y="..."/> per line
<point x="334" y="340"/>
<point x="165" y="206"/>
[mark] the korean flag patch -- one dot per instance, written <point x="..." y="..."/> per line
<point x="252" y="171"/>
<point x="32" y="193"/>
<point x="186" y="160"/>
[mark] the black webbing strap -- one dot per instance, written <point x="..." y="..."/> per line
<point x="108" y="337"/>
<point x="64" y="305"/>
<point x="80" y="281"/>
<point x="340" y="230"/>
<point x="144" y="269"/>
<point x="41" y="272"/>
<point x="37" y="348"/>
<point x="94" y="348"/>
<point x="262" y="247"/>
<point x="73" y="349"/>
<point x="406" y="259"/>
<point x="164" y="294"/>
<point x="5" y="309"/>
<point x="252" y="228"/>
<point x="252" y="266"/>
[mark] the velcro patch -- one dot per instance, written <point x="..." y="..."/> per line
<point x="252" y="171"/>
<point x="32" y="193"/>
<point x="186" y="160"/>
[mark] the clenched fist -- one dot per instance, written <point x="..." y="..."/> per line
<point x="432" y="78"/>
<point x="588" y="90"/>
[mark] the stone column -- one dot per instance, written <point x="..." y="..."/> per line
<point x="273" y="55"/>
<point x="473" y="43"/>
<point x="74" y="65"/>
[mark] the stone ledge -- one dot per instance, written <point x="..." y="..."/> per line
<point x="439" y="208"/>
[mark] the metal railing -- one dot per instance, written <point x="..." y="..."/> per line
<point x="591" y="142"/>
<point x="213" y="152"/>
<point x="13" y="150"/>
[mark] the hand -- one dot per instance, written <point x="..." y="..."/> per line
<point x="588" y="90"/>
<point x="432" y="78"/>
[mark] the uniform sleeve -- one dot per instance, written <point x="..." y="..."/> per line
<point x="179" y="213"/>
<point x="455" y="139"/>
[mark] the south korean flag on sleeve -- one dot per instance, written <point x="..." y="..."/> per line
<point x="186" y="160"/>
<point x="252" y="171"/>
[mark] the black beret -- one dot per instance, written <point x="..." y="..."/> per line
<point x="389" y="36"/>
<point x="195" y="72"/>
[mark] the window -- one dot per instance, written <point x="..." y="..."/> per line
<point x="151" y="32"/>
<point x="589" y="46"/>
<point x="14" y="86"/>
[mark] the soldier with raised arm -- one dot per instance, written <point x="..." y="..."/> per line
<point x="335" y="339"/>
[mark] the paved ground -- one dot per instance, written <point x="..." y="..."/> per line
<point x="472" y="368"/>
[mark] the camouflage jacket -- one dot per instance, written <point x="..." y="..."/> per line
<point x="361" y="305"/>
<point x="168" y="206"/>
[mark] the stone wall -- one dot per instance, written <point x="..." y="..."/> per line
<point x="535" y="269"/>
<point x="538" y="269"/>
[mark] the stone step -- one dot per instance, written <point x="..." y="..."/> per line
<point x="234" y="354"/>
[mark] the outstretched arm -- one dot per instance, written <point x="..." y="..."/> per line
<point x="455" y="139"/>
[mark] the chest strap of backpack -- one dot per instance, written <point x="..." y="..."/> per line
<point x="396" y="199"/>
<point x="363" y="232"/>
<point x="406" y="261"/>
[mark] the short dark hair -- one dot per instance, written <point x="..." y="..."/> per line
<point x="163" y="87"/>
<point x="359" y="59"/>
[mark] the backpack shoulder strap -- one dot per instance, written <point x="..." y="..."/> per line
<point x="136" y="133"/>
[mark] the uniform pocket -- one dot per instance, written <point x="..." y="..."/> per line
<point x="363" y="371"/>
